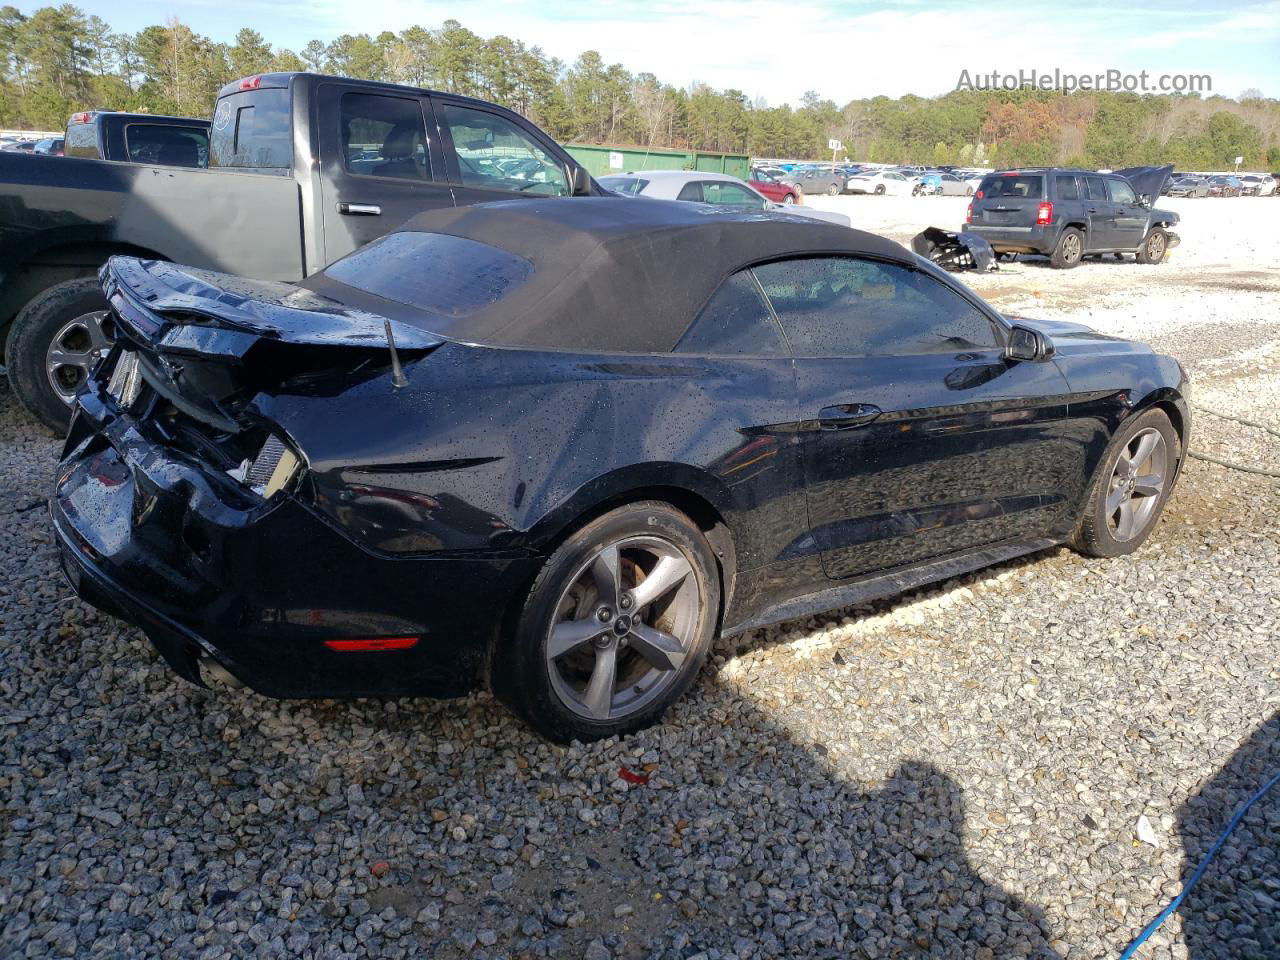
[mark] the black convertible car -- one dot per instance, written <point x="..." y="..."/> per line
<point x="557" y="447"/>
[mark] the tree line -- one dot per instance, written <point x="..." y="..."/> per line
<point x="59" y="60"/>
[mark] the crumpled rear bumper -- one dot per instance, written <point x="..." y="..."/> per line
<point x="206" y="568"/>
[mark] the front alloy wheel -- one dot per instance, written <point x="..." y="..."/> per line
<point x="1137" y="484"/>
<point x="76" y="348"/>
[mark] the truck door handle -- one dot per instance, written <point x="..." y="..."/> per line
<point x="845" y="416"/>
<point x="1093" y="209"/>
<point x="359" y="209"/>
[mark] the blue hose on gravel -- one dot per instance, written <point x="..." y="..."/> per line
<point x="1151" y="928"/>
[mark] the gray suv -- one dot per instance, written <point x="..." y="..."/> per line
<point x="1069" y="214"/>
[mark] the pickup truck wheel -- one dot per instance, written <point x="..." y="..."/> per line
<point x="54" y="343"/>
<point x="1153" y="247"/>
<point x="1069" y="251"/>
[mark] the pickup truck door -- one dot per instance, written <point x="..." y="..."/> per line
<point x="380" y="163"/>
<point x="493" y="154"/>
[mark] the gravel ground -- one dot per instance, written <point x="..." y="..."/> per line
<point x="956" y="773"/>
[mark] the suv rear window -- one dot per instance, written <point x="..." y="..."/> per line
<point x="1022" y="185"/>
<point x="449" y="276"/>
<point x="253" y="130"/>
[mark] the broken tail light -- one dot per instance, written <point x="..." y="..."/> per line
<point x="1044" y="215"/>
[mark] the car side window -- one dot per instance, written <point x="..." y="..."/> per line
<point x="1067" y="188"/>
<point x="735" y="322"/>
<point x="1121" y="192"/>
<point x="851" y="307"/>
<point x="729" y="194"/>
<point x="166" y="145"/>
<point x="495" y="154"/>
<point x="1095" y="188"/>
<point x="691" y="191"/>
<point x="383" y="137"/>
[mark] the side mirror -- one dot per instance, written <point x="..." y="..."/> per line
<point x="1027" y="344"/>
<point x="579" y="181"/>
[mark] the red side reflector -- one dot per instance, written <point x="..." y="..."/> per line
<point x="1044" y="215"/>
<point x="968" y="214"/>
<point x="371" y="644"/>
<point x="250" y="83"/>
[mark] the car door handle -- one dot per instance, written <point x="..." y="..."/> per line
<point x="359" y="209"/>
<point x="845" y="416"/>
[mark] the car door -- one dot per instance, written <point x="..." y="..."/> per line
<point x="918" y="438"/>
<point x="1101" y="213"/>
<point x="490" y="156"/>
<point x="1130" y="224"/>
<point x="379" y="165"/>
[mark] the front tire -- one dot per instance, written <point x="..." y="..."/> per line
<point x="54" y="343"/>
<point x="1130" y="487"/>
<point x="790" y="198"/>
<point x="615" y="628"/>
<point x="1069" y="251"/>
<point x="1154" y="246"/>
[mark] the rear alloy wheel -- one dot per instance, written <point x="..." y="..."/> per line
<point x="1069" y="251"/>
<point x="879" y="189"/>
<point x="833" y="189"/>
<point x="616" y="626"/>
<point x="1154" y="247"/>
<point x="1130" y="488"/>
<point x="968" y="191"/>
<point x="789" y="198"/>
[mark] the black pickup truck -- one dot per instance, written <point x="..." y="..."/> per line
<point x="138" y="138"/>
<point x="302" y="169"/>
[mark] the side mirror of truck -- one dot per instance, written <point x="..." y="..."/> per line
<point x="579" y="181"/>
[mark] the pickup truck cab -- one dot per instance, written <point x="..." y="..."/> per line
<point x="302" y="170"/>
<point x="1069" y="214"/>
<point x="138" y="138"/>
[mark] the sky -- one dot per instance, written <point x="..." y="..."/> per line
<point x="841" y="49"/>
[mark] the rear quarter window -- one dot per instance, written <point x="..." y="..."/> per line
<point x="1019" y="186"/>
<point x="82" y="140"/>
<point x="253" y="130"/>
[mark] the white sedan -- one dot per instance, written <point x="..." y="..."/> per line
<point x="881" y="182"/>
<point x="718" y="189"/>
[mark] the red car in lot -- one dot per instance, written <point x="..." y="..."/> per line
<point x="773" y="188"/>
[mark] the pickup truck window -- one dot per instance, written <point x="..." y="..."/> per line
<point x="166" y="145"/>
<point x="384" y="137"/>
<point x="253" y="130"/>
<point x="82" y="140"/>
<point x="495" y="154"/>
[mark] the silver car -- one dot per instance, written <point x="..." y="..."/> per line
<point x="953" y="186"/>
<point x="718" y="189"/>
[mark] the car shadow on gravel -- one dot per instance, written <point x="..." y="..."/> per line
<point x="1234" y="911"/>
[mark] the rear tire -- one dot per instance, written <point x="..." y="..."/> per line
<point x="70" y="312"/>
<point x="1154" y="247"/>
<point x="571" y="668"/>
<point x="1130" y="487"/>
<point x="790" y="198"/>
<point x="833" y="190"/>
<point x="1069" y="251"/>
<point x="968" y="191"/>
<point x="879" y="189"/>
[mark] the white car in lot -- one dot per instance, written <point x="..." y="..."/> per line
<point x="881" y="182"/>
<point x="718" y="189"/>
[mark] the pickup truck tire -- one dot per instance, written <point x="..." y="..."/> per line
<point x="53" y="344"/>
<point x="1154" y="246"/>
<point x="1069" y="251"/>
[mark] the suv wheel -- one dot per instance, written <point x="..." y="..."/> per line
<point x="1154" y="247"/>
<point x="1069" y="251"/>
<point x="615" y="627"/>
<point x="54" y="343"/>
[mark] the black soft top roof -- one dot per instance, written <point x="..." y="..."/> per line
<point x="613" y="273"/>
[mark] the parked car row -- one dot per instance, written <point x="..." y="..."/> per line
<point x="1224" y="185"/>
<point x="717" y="189"/>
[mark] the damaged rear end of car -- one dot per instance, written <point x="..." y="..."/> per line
<point x="185" y="505"/>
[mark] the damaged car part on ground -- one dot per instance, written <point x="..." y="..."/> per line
<point x="955" y="251"/>
<point x="601" y="455"/>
